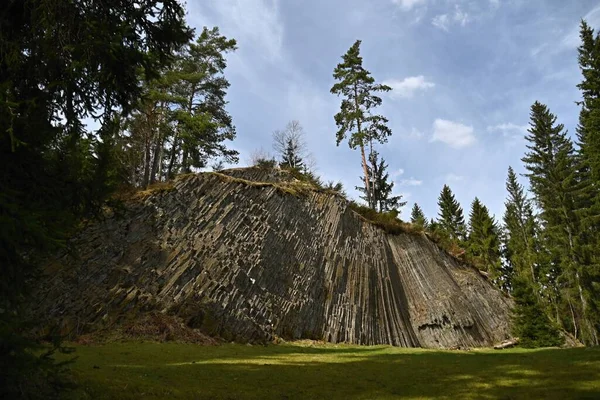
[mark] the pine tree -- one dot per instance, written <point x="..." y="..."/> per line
<point x="381" y="199"/>
<point x="356" y="117"/>
<point x="552" y="168"/>
<point x="417" y="217"/>
<point x="202" y="122"/>
<point x="483" y="243"/>
<point x="451" y="220"/>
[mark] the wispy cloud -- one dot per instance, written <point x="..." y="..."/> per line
<point x="445" y="21"/>
<point x="254" y="23"/>
<point x="511" y="132"/>
<point x="571" y="40"/>
<point x="410" y="182"/>
<point x="407" y="87"/>
<point x="407" y="5"/>
<point x="454" y="134"/>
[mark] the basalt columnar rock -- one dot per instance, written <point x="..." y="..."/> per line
<point x="248" y="255"/>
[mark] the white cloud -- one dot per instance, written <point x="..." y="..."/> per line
<point x="441" y="21"/>
<point x="406" y="5"/>
<point x="410" y="182"/>
<point x="461" y="17"/>
<point x="407" y="87"/>
<point x="454" y="134"/>
<point x="445" y="21"/>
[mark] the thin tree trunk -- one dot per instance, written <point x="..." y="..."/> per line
<point x="362" y="150"/>
<point x="173" y="156"/>
<point x="147" y="154"/>
<point x="586" y="321"/>
<point x="575" y="330"/>
<point x="155" y="157"/>
<point x="158" y="144"/>
<point x="161" y="156"/>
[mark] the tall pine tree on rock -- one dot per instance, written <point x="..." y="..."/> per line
<point x="356" y="118"/>
<point x="451" y="220"/>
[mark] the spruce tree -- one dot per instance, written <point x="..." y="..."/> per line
<point x="417" y="217"/>
<point x="483" y="243"/>
<point x="451" y="221"/>
<point x="521" y="230"/>
<point x="552" y="172"/>
<point x="291" y="148"/>
<point x="589" y="171"/>
<point x="381" y="199"/>
<point x="530" y="323"/>
<point x="291" y="157"/>
<point x="356" y="118"/>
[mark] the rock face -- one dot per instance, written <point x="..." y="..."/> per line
<point x="248" y="262"/>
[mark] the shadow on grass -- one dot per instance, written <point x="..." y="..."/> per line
<point x="289" y="372"/>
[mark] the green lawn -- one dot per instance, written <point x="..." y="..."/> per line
<point x="301" y="371"/>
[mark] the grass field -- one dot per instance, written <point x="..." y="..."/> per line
<point x="138" y="370"/>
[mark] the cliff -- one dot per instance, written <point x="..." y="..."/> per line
<point x="249" y="256"/>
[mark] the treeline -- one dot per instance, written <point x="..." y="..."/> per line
<point x="546" y="253"/>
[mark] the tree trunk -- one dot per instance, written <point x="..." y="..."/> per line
<point x="147" y="154"/>
<point x="156" y="156"/>
<point x="588" y="326"/>
<point x="366" y="171"/>
<point x="362" y="150"/>
<point x="158" y="145"/>
<point x="173" y="156"/>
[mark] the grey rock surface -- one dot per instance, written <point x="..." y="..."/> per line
<point x="251" y="262"/>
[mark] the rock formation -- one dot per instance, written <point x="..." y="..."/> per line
<point x="247" y="260"/>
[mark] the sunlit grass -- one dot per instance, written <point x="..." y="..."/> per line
<point x="303" y="371"/>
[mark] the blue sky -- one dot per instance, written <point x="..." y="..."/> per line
<point x="464" y="73"/>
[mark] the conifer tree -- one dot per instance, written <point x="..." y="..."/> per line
<point x="451" y="220"/>
<point x="520" y="229"/>
<point x="356" y="118"/>
<point x="589" y="170"/>
<point x="530" y="324"/>
<point x="553" y="179"/>
<point x="291" y="148"/>
<point x="202" y="122"/>
<point x="381" y="199"/>
<point x="530" y="284"/>
<point x="417" y="217"/>
<point x="291" y="157"/>
<point x="483" y="243"/>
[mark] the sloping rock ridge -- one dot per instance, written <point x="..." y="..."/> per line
<point x="250" y="262"/>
